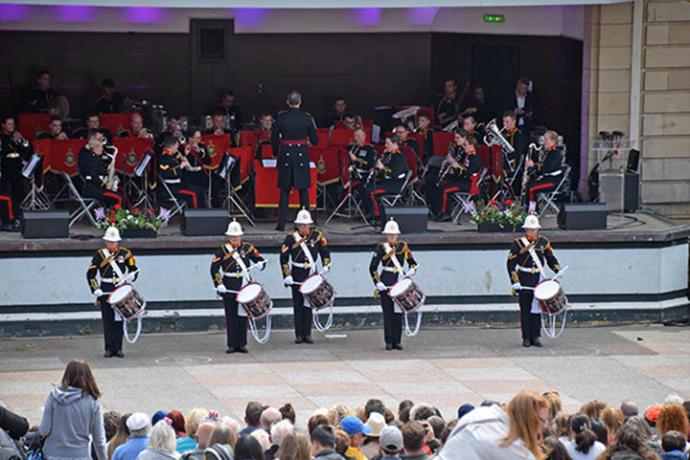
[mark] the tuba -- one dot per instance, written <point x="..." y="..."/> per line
<point x="408" y="117"/>
<point x="494" y="136"/>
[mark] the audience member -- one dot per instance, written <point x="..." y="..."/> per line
<point x="338" y="412"/>
<point x="121" y="436"/>
<point x="158" y="416"/>
<point x="194" y="418"/>
<point x="252" y="417"/>
<point x="556" y="450"/>
<point x="288" y="413"/>
<point x="279" y="431"/>
<point x="674" y="445"/>
<point x="354" y="428"/>
<point x="390" y="443"/>
<point x="178" y="423"/>
<point x="553" y="399"/>
<point x="342" y="442"/>
<point x="414" y="435"/>
<point x="269" y="416"/>
<point x="582" y="443"/>
<point x="629" y="409"/>
<point x="263" y="437"/>
<point x="612" y="418"/>
<point x="248" y="448"/>
<point x="73" y="416"/>
<point x="629" y="445"/>
<point x="374" y="405"/>
<point x="376" y="422"/>
<point x="111" y="422"/>
<point x="162" y="443"/>
<point x="404" y="410"/>
<point x="139" y="427"/>
<point x="316" y="420"/>
<point x="295" y="446"/>
<point x="223" y="435"/>
<point x="323" y="443"/>
<point x="672" y="418"/>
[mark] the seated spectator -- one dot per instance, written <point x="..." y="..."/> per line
<point x="354" y="428"/>
<point x="263" y="437"/>
<point x="629" y="409"/>
<point x="674" y="445"/>
<point x="553" y="399"/>
<point x="194" y="418"/>
<point x="279" y="431"/>
<point x="161" y="443"/>
<point x="158" y="416"/>
<point x="202" y="437"/>
<point x="582" y="442"/>
<point x="232" y="424"/>
<point x="223" y="435"/>
<point x="390" y="443"/>
<point x="556" y="449"/>
<point x="374" y="405"/>
<point x="338" y="412"/>
<point x="422" y="411"/>
<point x="110" y="101"/>
<point x="248" y="448"/>
<point x="73" y="416"/>
<point x="371" y="446"/>
<point x="15" y="425"/>
<point x="672" y="418"/>
<point x="55" y="131"/>
<point x="414" y="436"/>
<point x="645" y="431"/>
<point x="178" y="423"/>
<point x="295" y="446"/>
<point x="323" y="443"/>
<point x="269" y="416"/>
<point x="404" y="409"/>
<point x="464" y="410"/>
<point x="288" y="413"/>
<point x="612" y="418"/>
<point x="629" y="445"/>
<point x="252" y="417"/>
<point x="121" y="435"/>
<point x="513" y="432"/>
<point x="316" y="420"/>
<point x="111" y="423"/>
<point x="139" y="427"/>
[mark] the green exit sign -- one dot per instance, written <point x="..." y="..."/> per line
<point x="494" y="18"/>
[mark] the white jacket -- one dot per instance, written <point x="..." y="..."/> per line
<point x="477" y="437"/>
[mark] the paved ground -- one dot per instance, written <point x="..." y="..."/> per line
<point x="445" y="367"/>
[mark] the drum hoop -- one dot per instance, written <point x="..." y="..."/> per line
<point x="237" y="296"/>
<point x="412" y="283"/>
<point x="544" y="281"/>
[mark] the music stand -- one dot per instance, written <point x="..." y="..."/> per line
<point x="232" y="200"/>
<point x="36" y="199"/>
<point x="142" y="170"/>
<point x="349" y="201"/>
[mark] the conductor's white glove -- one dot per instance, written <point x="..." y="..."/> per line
<point x="381" y="287"/>
<point x="326" y="269"/>
<point x="98" y="293"/>
<point x="516" y="286"/>
<point x="288" y="281"/>
<point x="221" y="289"/>
<point x="412" y="271"/>
<point x="262" y="264"/>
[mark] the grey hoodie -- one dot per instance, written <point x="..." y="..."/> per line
<point x="70" y="420"/>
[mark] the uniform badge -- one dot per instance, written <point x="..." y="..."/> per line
<point x="70" y="158"/>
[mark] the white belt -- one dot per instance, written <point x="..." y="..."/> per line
<point x="233" y="275"/>
<point x="110" y="280"/>
<point x="390" y="269"/>
<point x="301" y="265"/>
<point x="555" y="173"/>
<point x="195" y="168"/>
<point x="528" y="269"/>
<point x="173" y="181"/>
<point x="12" y="155"/>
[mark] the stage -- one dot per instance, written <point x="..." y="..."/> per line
<point x="635" y="271"/>
<point x="445" y="367"/>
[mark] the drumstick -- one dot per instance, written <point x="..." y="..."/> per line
<point x="560" y="273"/>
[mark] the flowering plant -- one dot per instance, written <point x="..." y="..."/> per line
<point x="506" y="214"/>
<point x="135" y="218"/>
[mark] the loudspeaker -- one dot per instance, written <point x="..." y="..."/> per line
<point x="46" y="224"/>
<point x="582" y="216"/>
<point x="204" y="222"/>
<point x="610" y="191"/>
<point x="411" y="219"/>
<point x="633" y="161"/>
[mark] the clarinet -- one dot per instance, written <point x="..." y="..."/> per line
<point x="446" y="170"/>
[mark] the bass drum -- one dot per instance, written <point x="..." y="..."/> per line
<point x="255" y="301"/>
<point x="407" y="295"/>
<point x="318" y="292"/>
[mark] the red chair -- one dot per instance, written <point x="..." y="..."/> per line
<point x="248" y="138"/>
<point x="33" y="124"/>
<point x="115" y="122"/>
<point x="340" y="137"/>
<point x="464" y="202"/>
<point x="323" y="134"/>
<point x="442" y="140"/>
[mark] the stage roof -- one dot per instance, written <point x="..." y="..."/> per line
<point x="302" y="4"/>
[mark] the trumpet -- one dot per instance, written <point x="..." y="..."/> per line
<point x="19" y="140"/>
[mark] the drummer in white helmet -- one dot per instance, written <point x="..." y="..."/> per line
<point x="299" y="255"/>
<point x="527" y="254"/>
<point x="110" y="264"/>
<point x="392" y="255"/>
<point x="230" y="267"/>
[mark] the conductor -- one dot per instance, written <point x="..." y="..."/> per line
<point x="293" y="131"/>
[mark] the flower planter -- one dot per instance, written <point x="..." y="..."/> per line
<point x="491" y="227"/>
<point x="139" y="233"/>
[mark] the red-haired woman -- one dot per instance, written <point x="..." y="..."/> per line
<point x="73" y="416"/>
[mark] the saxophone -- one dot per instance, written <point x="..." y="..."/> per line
<point x="113" y="181"/>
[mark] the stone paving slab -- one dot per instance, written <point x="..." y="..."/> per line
<point x="443" y="367"/>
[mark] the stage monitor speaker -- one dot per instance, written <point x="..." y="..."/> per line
<point x="610" y="191"/>
<point x="46" y="224"/>
<point x="204" y="222"/>
<point x="633" y="161"/>
<point x="582" y="216"/>
<point x="411" y="219"/>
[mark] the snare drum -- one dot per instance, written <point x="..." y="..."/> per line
<point x="255" y="301"/>
<point x="127" y="302"/>
<point x="551" y="297"/>
<point x="318" y="292"/>
<point x="407" y="295"/>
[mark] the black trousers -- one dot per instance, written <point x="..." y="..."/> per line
<point x="14" y="184"/>
<point x="530" y="323"/>
<point x="438" y="196"/>
<point x="376" y="191"/>
<point x="235" y="325"/>
<point x="112" y="330"/>
<point x="189" y="193"/>
<point x="105" y="196"/>
<point x="302" y="314"/>
<point x="285" y="203"/>
<point x="392" y="322"/>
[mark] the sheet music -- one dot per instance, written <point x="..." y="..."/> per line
<point x="31" y="165"/>
<point x="141" y="167"/>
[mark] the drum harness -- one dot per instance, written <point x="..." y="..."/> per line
<point x="390" y="251"/>
<point x="122" y="278"/>
<point x="246" y="279"/>
<point x="548" y="322"/>
<point x="312" y="269"/>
